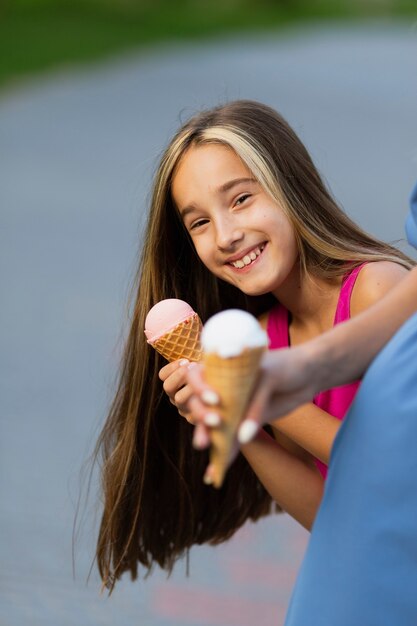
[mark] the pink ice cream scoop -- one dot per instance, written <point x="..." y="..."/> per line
<point x="173" y="329"/>
<point x="164" y="316"/>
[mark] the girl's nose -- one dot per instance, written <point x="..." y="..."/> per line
<point x="228" y="233"/>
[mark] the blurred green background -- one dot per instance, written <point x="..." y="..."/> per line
<point x="36" y="35"/>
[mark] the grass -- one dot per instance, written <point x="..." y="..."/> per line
<point x="37" y="35"/>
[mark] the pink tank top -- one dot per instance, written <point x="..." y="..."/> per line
<point x="334" y="401"/>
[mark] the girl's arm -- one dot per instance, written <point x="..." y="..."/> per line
<point x="294" y="484"/>
<point x="309" y="427"/>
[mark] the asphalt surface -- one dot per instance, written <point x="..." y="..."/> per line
<point x="77" y="153"/>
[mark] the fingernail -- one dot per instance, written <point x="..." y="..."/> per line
<point x="247" y="431"/>
<point x="212" y="419"/>
<point x="210" y="397"/>
<point x="184" y="362"/>
<point x="191" y="365"/>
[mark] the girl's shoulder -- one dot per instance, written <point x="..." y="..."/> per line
<point x="375" y="280"/>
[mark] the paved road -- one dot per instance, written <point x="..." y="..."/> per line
<point x="77" y="150"/>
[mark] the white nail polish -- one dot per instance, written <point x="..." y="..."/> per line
<point x="184" y="362"/>
<point x="212" y="419"/>
<point x="210" y="397"/>
<point x="247" y="431"/>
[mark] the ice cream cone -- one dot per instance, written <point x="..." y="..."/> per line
<point x="233" y="378"/>
<point x="181" y="342"/>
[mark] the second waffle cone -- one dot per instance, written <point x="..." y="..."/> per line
<point x="233" y="378"/>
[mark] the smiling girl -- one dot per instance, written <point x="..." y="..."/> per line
<point x="239" y="218"/>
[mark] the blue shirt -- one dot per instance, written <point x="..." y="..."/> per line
<point x="411" y="223"/>
<point x="360" y="567"/>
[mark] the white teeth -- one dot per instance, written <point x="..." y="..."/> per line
<point x="248" y="258"/>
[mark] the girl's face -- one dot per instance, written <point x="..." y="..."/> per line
<point x="239" y="232"/>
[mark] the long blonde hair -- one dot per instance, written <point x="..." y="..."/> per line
<point x="155" y="505"/>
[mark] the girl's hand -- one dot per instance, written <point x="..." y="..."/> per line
<point x="174" y="378"/>
<point x="180" y="394"/>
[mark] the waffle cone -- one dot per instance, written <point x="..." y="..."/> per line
<point x="182" y="342"/>
<point x="233" y="378"/>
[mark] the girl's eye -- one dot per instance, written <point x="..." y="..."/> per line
<point x="242" y="199"/>
<point x="198" y="223"/>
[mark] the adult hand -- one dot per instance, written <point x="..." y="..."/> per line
<point x="285" y="381"/>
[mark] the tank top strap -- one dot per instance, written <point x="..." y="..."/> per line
<point x="277" y="327"/>
<point x="343" y="305"/>
<point x="278" y="318"/>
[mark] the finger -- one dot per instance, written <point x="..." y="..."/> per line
<point x="170" y="368"/>
<point x="202" y="413"/>
<point x="174" y="382"/>
<point x="201" y="438"/>
<point x="183" y="395"/>
<point x="196" y="408"/>
<point x="195" y="378"/>
<point x="188" y="416"/>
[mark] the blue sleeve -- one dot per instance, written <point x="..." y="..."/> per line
<point x="360" y="567"/>
<point x="411" y="223"/>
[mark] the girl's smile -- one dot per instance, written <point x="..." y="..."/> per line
<point x="240" y="233"/>
<point x="247" y="258"/>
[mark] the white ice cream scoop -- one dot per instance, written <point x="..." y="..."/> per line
<point x="230" y="332"/>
